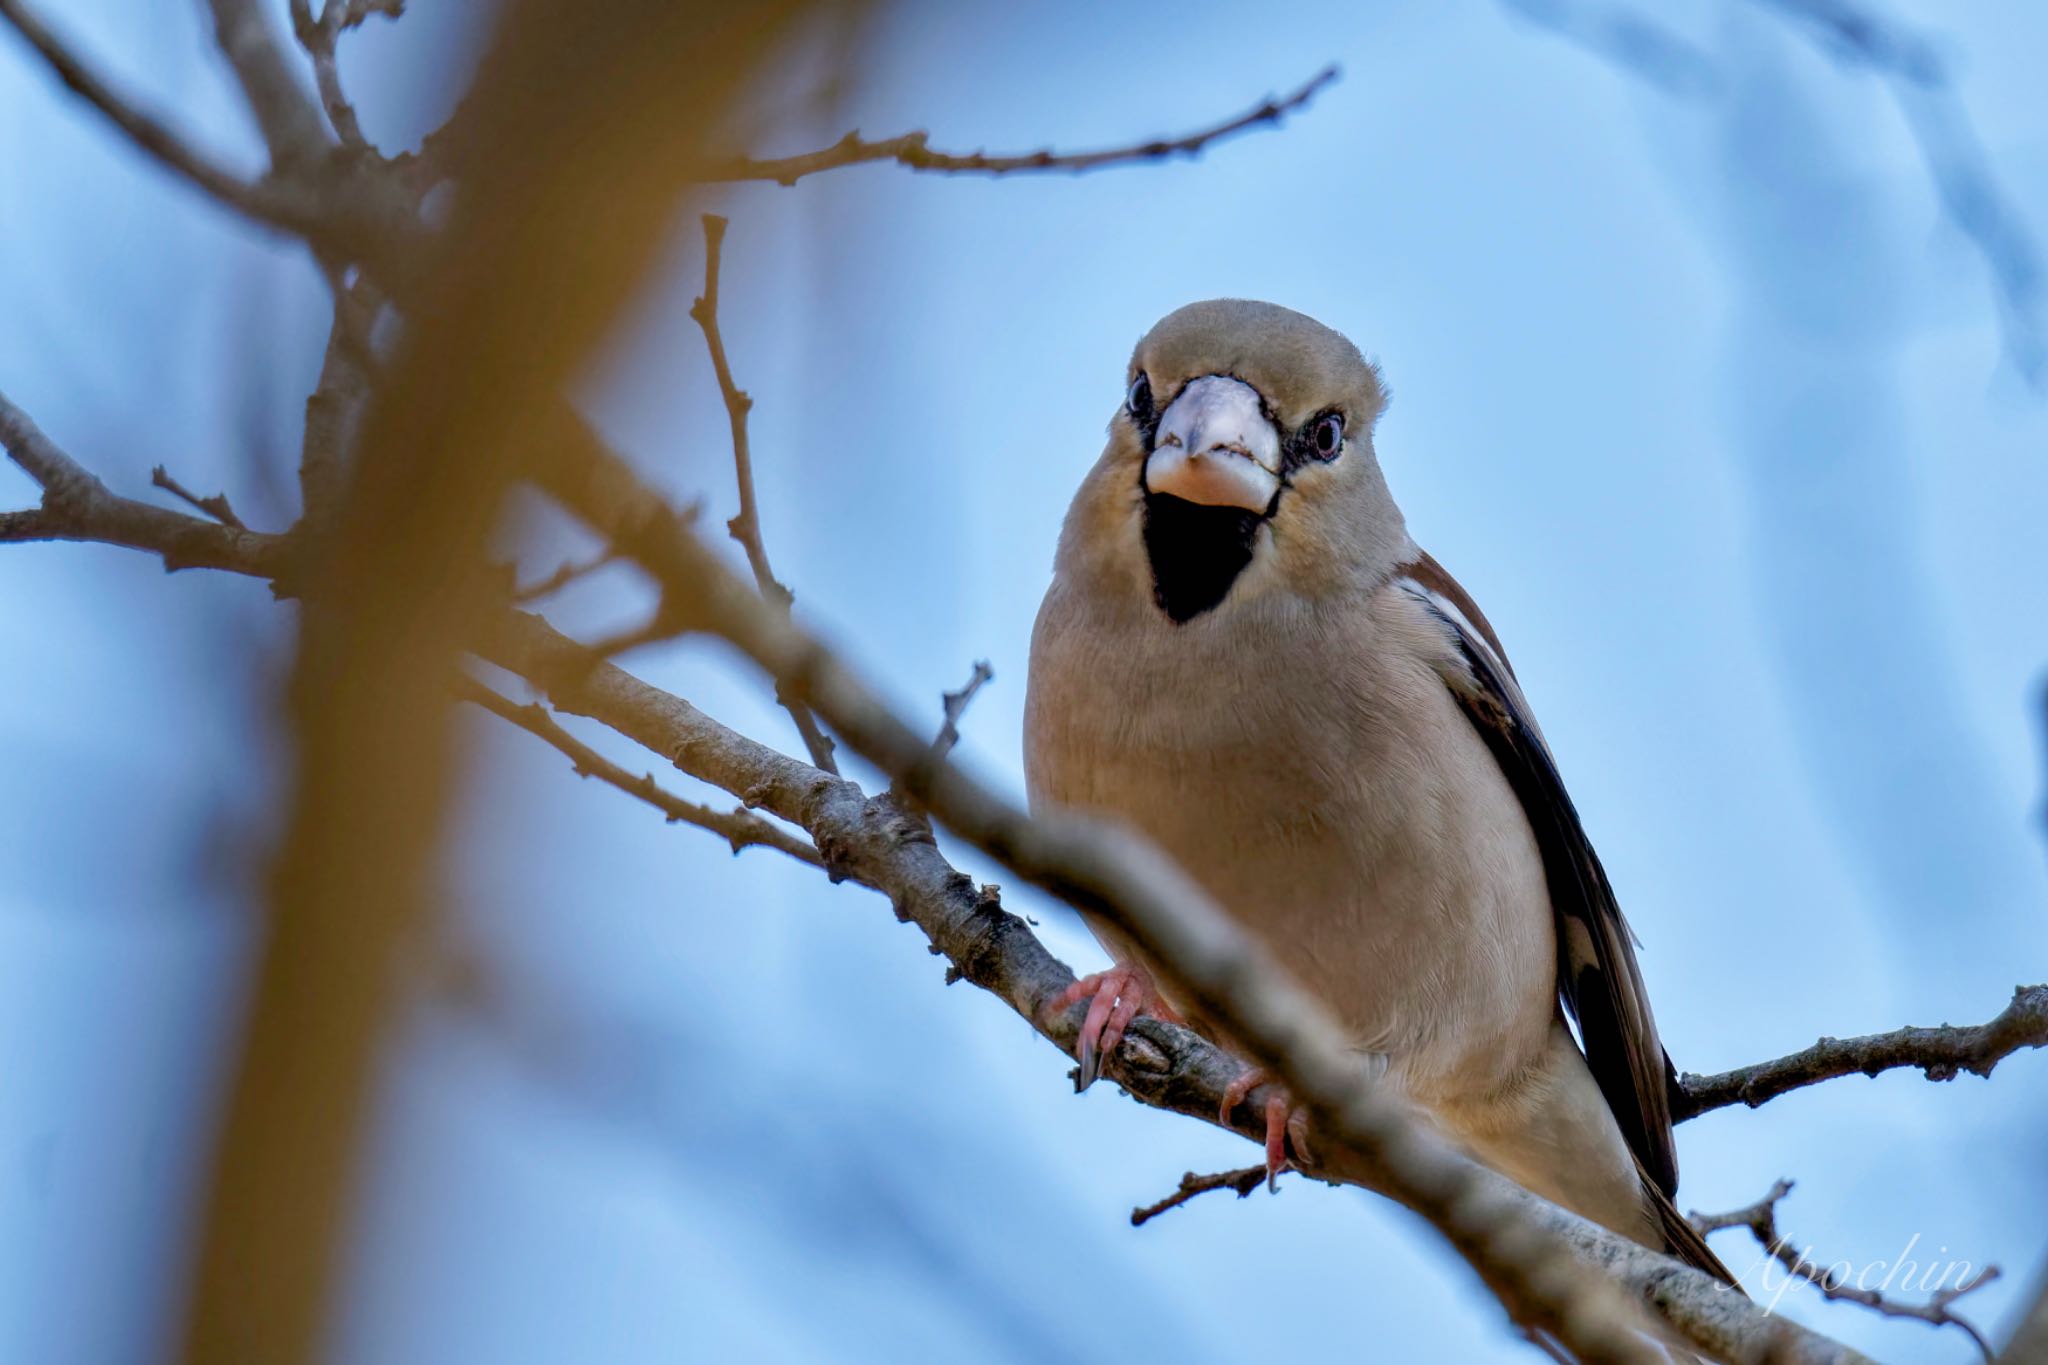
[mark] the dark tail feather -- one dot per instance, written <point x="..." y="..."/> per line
<point x="1683" y="1240"/>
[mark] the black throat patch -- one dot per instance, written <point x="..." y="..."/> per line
<point x="1197" y="552"/>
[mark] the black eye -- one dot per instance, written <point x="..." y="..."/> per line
<point x="1328" y="436"/>
<point x="1138" y="401"/>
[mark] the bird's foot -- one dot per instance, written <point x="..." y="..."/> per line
<point x="1116" y="997"/>
<point x="1279" y="1113"/>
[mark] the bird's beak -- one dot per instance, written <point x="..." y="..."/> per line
<point x="1216" y="446"/>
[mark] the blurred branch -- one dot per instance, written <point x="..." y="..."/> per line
<point x="335" y="407"/>
<point x="913" y="150"/>
<point x="1761" y="1218"/>
<point x="2029" y="1342"/>
<point x="1243" y="1181"/>
<point x="289" y="121"/>
<point x="216" y="506"/>
<point x="567" y="572"/>
<point x="265" y="203"/>
<point x="746" y="527"/>
<point x="1920" y="84"/>
<point x="320" y="36"/>
<point x="558" y="223"/>
<point x="1939" y="1052"/>
<point x="739" y="828"/>
<point x="1925" y="92"/>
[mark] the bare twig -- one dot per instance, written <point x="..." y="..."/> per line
<point x="1761" y="1218"/>
<point x="567" y="572"/>
<point x="746" y="526"/>
<point x="265" y="203"/>
<point x="77" y="506"/>
<point x="320" y="36"/>
<point x="913" y="150"/>
<point x="1941" y="1053"/>
<point x="1243" y="1181"/>
<point x="739" y="828"/>
<point x="216" y="506"/>
<point x="955" y="705"/>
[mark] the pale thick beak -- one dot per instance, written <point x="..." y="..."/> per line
<point x="1215" y="446"/>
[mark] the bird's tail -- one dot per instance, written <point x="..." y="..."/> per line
<point x="1682" y="1239"/>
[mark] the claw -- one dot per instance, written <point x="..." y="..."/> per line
<point x="1278" y="1111"/>
<point x="1115" y="998"/>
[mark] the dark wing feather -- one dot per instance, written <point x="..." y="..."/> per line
<point x="1597" y="975"/>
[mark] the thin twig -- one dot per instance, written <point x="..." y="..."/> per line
<point x="746" y="527"/>
<point x="321" y="36"/>
<point x="913" y="150"/>
<point x="265" y="203"/>
<point x="567" y="572"/>
<point x="216" y="506"/>
<point x="1761" y="1218"/>
<point x="739" y="828"/>
<point x="1243" y="1181"/>
<point x="1941" y="1053"/>
<point x="955" y="706"/>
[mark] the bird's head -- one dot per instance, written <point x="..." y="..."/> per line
<point x="1240" y="465"/>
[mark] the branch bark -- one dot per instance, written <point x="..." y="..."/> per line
<point x="738" y="828"/>
<point x="1941" y="1053"/>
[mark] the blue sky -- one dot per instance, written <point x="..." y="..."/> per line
<point x="1702" y="397"/>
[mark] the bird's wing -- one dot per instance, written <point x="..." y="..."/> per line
<point x="1597" y="976"/>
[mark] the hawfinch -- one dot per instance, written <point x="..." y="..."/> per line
<point x="1245" y="656"/>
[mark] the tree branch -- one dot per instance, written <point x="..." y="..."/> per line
<point x="955" y="706"/>
<point x="567" y="572"/>
<point x="216" y="506"/>
<point x="1243" y="1181"/>
<point x="264" y="203"/>
<point x="880" y="844"/>
<point x="913" y="150"/>
<point x="1761" y="1218"/>
<point x="746" y="527"/>
<point x="739" y="828"/>
<point x="320" y="36"/>
<point x="1941" y="1053"/>
<point x="77" y="506"/>
<point x="289" y="121"/>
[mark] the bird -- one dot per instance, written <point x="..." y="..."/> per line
<point x="1244" y="655"/>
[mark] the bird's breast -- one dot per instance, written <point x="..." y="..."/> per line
<point x="1325" y="788"/>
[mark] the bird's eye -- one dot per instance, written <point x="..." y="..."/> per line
<point x="1138" y="401"/>
<point x="1328" y="436"/>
